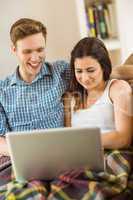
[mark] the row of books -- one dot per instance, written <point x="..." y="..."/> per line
<point x="101" y="20"/>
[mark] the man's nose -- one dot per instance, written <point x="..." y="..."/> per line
<point x="34" y="56"/>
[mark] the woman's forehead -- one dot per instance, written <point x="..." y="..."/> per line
<point x="86" y="62"/>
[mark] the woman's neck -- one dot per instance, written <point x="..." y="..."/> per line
<point x="94" y="94"/>
<point x="97" y="90"/>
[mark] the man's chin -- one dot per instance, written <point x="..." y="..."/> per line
<point x="35" y="70"/>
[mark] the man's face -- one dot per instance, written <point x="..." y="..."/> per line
<point x="31" y="54"/>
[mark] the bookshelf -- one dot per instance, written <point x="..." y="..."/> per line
<point x="88" y="21"/>
<point x="66" y="25"/>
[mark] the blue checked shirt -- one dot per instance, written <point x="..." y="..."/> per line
<point x="37" y="105"/>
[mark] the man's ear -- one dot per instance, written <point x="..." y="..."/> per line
<point x="13" y="48"/>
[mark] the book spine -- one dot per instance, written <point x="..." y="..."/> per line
<point x="102" y="23"/>
<point x="112" y="18"/>
<point x="107" y="20"/>
<point x="87" y="23"/>
<point x="91" y="22"/>
<point x="96" y="20"/>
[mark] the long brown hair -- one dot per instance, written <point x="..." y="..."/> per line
<point x="96" y="49"/>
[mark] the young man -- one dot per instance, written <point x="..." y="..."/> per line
<point x="31" y="97"/>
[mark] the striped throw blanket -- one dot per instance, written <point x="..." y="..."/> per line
<point x="116" y="182"/>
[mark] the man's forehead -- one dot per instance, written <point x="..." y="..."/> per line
<point x="31" y="41"/>
<point x="32" y="46"/>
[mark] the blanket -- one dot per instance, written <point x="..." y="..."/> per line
<point x="116" y="182"/>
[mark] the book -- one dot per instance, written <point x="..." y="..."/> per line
<point x="107" y="20"/>
<point x="102" y="23"/>
<point x="91" y="21"/>
<point x="96" y="21"/>
<point x="87" y="23"/>
<point x="112" y="18"/>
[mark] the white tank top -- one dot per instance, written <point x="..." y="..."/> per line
<point x="100" y="114"/>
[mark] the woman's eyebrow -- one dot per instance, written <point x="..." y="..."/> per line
<point x="89" y="68"/>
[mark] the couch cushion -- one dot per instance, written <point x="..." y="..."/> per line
<point x="129" y="60"/>
<point x="124" y="72"/>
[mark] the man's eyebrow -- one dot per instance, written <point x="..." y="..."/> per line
<point x="27" y="50"/>
<point x="39" y="48"/>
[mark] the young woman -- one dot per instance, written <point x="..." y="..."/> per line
<point x="94" y="99"/>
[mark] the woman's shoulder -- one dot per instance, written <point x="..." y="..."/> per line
<point x="120" y="87"/>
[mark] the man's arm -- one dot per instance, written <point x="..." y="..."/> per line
<point x="63" y="67"/>
<point x="67" y="71"/>
<point x="3" y="130"/>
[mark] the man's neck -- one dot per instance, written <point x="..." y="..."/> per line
<point x="25" y="78"/>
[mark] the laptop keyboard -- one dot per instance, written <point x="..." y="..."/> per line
<point x="5" y="161"/>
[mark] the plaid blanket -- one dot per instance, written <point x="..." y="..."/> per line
<point x="116" y="182"/>
<point x="5" y="169"/>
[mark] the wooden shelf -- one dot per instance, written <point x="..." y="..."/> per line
<point x="112" y="44"/>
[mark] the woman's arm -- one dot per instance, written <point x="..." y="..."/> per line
<point x="122" y="97"/>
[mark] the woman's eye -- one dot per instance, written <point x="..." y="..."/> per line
<point x="90" y="71"/>
<point x="78" y="71"/>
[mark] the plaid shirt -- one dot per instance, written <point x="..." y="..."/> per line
<point x="37" y="105"/>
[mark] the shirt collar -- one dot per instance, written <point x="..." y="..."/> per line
<point x="45" y="71"/>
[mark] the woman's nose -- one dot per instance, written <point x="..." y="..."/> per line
<point x="84" y="77"/>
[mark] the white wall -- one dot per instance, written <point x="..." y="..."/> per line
<point x="59" y="17"/>
<point x="125" y="26"/>
<point x="63" y="25"/>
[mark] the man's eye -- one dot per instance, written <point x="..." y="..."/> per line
<point x="27" y="51"/>
<point x="40" y="50"/>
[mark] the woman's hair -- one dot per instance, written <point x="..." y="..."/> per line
<point x="94" y="48"/>
<point x="25" y="27"/>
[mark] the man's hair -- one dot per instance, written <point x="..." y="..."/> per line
<point x="25" y="27"/>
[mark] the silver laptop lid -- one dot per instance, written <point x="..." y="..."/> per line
<point x="44" y="154"/>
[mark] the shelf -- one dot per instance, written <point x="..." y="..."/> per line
<point x="112" y="44"/>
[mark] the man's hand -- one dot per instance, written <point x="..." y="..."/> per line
<point x="3" y="147"/>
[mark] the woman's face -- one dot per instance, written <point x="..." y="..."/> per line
<point x="88" y="72"/>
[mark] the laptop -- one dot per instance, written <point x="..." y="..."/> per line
<point x="45" y="154"/>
